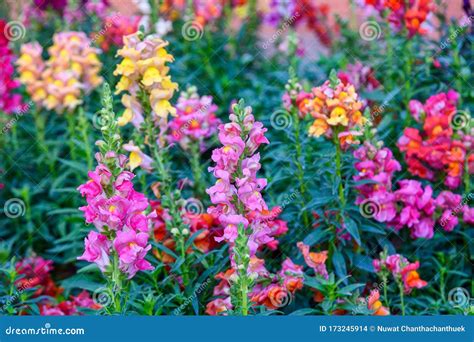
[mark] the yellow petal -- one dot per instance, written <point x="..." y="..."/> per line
<point x="135" y="160"/>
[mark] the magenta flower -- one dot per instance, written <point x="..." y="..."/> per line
<point x="118" y="213"/>
<point x="237" y="194"/>
<point x="9" y="102"/>
<point x="97" y="249"/>
<point x="132" y="248"/>
<point x="195" y="119"/>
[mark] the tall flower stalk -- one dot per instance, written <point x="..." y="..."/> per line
<point x="148" y="87"/>
<point x="237" y="197"/>
<point x="117" y="211"/>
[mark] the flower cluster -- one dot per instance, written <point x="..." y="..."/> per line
<point x="401" y="270"/>
<point x="291" y="12"/>
<point x="361" y="77"/>
<point x="411" y="14"/>
<point x="435" y="148"/>
<point x="9" y="102"/>
<point x="378" y="166"/>
<point x="44" y="11"/>
<point x="375" y="304"/>
<point x="117" y="211"/>
<point x="36" y="272"/>
<point x="274" y="291"/>
<point x="195" y="119"/>
<point x="69" y="307"/>
<point x="204" y="11"/>
<point x="115" y="28"/>
<point x="237" y="193"/>
<point x="411" y="205"/>
<point x="144" y="75"/>
<point x="317" y="261"/>
<point x="336" y="108"/>
<point x="73" y="67"/>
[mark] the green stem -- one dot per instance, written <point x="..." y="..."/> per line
<point x="299" y="166"/>
<point x="115" y="285"/>
<point x="199" y="185"/>
<point x="402" y="302"/>
<point x="385" y="295"/>
<point x="442" y="286"/>
<point x="71" y="126"/>
<point x="244" y="290"/>
<point x="342" y="199"/>
<point x="408" y="71"/>
<point x="85" y="137"/>
<point x="169" y="201"/>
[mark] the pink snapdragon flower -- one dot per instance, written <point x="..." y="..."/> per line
<point x="132" y="248"/>
<point x="195" y="119"/>
<point x="237" y="194"/>
<point x="118" y="213"/>
<point x="97" y="249"/>
<point x="401" y="269"/>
